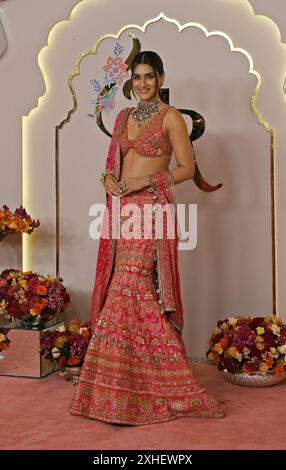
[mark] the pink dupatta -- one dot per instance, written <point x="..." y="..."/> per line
<point x="167" y="249"/>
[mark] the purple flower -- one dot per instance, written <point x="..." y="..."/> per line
<point x="79" y="347"/>
<point x="47" y="340"/>
<point x="244" y="336"/>
<point x="21" y="212"/>
<point x="55" y="299"/>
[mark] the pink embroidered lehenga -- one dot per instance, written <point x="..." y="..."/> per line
<point x="136" y="369"/>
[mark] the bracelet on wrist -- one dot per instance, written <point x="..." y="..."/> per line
<point x="104" y="174"/>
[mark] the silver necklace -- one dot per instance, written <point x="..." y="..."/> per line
<point x="144" y="111"/>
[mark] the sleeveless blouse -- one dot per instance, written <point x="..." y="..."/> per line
<point x="150" y="140"/>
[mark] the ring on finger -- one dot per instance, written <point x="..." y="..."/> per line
<point x="122" y="185"/>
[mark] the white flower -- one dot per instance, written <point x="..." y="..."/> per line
<point x="56" y="353"/>
<point x="232" y="321"/>
<point x="217" y="330"/>
<point x="61" y="328"/>
<point x="275" y="329"/>
<point x="82" y="329"/>
<point x="282" y="349"/>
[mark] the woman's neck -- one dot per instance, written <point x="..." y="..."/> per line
<point x="155" y="99"/>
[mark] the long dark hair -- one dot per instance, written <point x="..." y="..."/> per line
<point x="150" y="58"/>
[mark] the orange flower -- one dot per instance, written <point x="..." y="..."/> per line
<point x="279" y="369"/>
<point x="33" y="312"/>
<point x="247" y="369"/>
<point x="74" y="361"/>
<point x="41" y="290"/>
<point x="38" y="307"/>
<point x="269" y="362"/>
<point x="223" y="342"/>
<point x="84" y="333"/>
<point x="3" y="346"/>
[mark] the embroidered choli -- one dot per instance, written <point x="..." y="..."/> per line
<point x="150" y="140"/>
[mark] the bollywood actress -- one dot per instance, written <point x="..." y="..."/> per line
<point x="136" y="369"/>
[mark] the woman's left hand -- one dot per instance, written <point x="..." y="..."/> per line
<point x="133" y="184"/>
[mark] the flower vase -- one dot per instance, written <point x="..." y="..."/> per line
<point x="259" y="379"/>
<point x="73" y="373"/>
<point x="37" y="322"/>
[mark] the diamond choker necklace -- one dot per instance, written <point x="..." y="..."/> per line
<point x="144" y="111"/>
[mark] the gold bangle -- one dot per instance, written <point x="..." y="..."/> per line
<point x="104" y="174"/>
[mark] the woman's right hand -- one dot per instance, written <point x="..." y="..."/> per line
<point x="111" y="185"/>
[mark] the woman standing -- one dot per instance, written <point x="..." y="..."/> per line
<point x="136" y="369"/>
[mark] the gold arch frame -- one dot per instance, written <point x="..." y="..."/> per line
<point x="258" y="115"/>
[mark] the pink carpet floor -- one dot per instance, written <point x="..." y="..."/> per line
<point x="34" y="416"/>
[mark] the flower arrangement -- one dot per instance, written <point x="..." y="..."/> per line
<point x="67" y="345"/>
<point x="4" y="340"/>
<point x="250" y="345"/>
<point x="31" y="297"/>
<point x="19" y="221"/>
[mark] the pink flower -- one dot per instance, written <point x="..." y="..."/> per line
<point x="116" y="69"/>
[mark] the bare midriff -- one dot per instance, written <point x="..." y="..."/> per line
<point x="135" y="165"/>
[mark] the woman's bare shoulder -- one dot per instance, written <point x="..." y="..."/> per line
<point x="173" y="116"/>
<point x="173" y="111"/>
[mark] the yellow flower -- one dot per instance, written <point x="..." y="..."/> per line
<point x="210" y="356"/>
<point x="3" y="308"/>
<point x="260" y="330"/>
<point x="2" y="337"/>
<point x="263" y="367"/>
<point x="232" y="321"/>
<point x="233" y="352"/>
<point x="73" y="328"/>
<point x="259" y="339"/>
<point x="273" y="353"/>
<point x="273" y="319"/>
<point x="282" y="349"/>
<point x="23" y="283"/>
<point x="218" y="348"/>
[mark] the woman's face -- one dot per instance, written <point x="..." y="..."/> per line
<point x="144" y="82"/>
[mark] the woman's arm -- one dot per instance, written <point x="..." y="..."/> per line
<point x="179" y="137"/>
